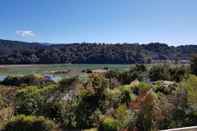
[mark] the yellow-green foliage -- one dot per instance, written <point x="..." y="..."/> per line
<point x="124" y="116"/>
<point x="84" y="92"/>
<point x="126" y="88"/>
<point x="29" y="123"/>
<point x="112" y="96"/>
<point x="113" y="93"/>
<point x="109" y="124"/>
<point x="121" y="112"/>
<point x="144" y="86"/>
<point x="35" y="90"/>
<point x="30" y="100"/>
<point x="190" y="85"/>
<point x="98" y="81"/>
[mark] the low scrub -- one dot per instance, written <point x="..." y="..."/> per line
<point x="137" y="72"/>
<point x="109" y="124"/>
<point x="25" y="80"/>
<point x="29" y="123"/>
<point x="32" y="100"/>
<point x="167" y="72"/>
<point x="190" y="85"/>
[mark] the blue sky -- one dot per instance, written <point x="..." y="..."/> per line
<point x="65" y="21"/>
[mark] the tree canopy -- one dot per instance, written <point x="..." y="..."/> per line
<point x="15" y="52"/>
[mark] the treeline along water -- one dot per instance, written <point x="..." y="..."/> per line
<point x="15" y="52"/>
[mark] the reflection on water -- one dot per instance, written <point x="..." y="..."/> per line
<point x="53" y="77"/>
<point x="2" y="77"/>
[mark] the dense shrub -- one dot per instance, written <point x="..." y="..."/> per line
<point x="190" y="85"/>
<point x="165" y="87"/>
<point x="181" y="102"/>
<point x="124" y="116"/>
<point x="25" y="80"/>
<point x="159" y="72"/>
<point x="167" y="72"/>
<point x="182" y="116"/>
<point x="194" y="64"/>
<point x="92" y="102"/>
<point x="54" y="110"/>
<point x="83" y="110"/>
<point x="69" y="116"/>
<point x="149" y="114"/>
<point x="32" y="100"/>
<point x="29" y="123"/>
<point x="108" y="124"/>
<point x="137" y="72"/>
<point x="178" y="73"/>
<point x="66" y="83"/>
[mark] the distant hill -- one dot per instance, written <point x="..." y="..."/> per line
<point x="16" y="52"/>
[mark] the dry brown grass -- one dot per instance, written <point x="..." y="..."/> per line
<point x="7" y="111"/>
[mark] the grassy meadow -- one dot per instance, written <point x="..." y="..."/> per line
<point x="44" y="69"/>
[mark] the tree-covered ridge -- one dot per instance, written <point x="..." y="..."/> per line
<point x="15" y="52"/>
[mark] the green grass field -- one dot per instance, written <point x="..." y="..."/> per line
<point x="73" y="69"/>
<point x="43" y="69"/>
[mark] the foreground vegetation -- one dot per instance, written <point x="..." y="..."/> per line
<point x="140" y="99"/>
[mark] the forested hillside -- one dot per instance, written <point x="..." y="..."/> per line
<point x="15" y="52"/>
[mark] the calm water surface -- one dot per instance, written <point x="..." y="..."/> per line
<point x="2" y="77"/>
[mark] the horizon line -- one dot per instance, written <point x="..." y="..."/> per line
<point x="86" y="42"/>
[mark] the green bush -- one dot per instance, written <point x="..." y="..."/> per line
<point x="125" y="117"/>
<point x="54" y="110"/>
<point x="69" y="116"/>
<point x="85" y="110"/>
<point x="32" y="100"/>
<point x="194" y="64"/>
<point x="137" y="72"/>
<point x="25" y="80"/>
<point x="149" y="114"/>
<point x="165" y="87"/>
<point x="167" y="72"/>
<point x="159" y="72"/>
<point x="144" y="86"/>
<point x="178" y="73"/>
<point x="190" y="85"/>
<point x="29" y="123"/>
<point x="108" y="124"/>
<point x="65" y="83"/>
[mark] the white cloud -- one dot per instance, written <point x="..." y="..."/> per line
<point x="25" y="33"/>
